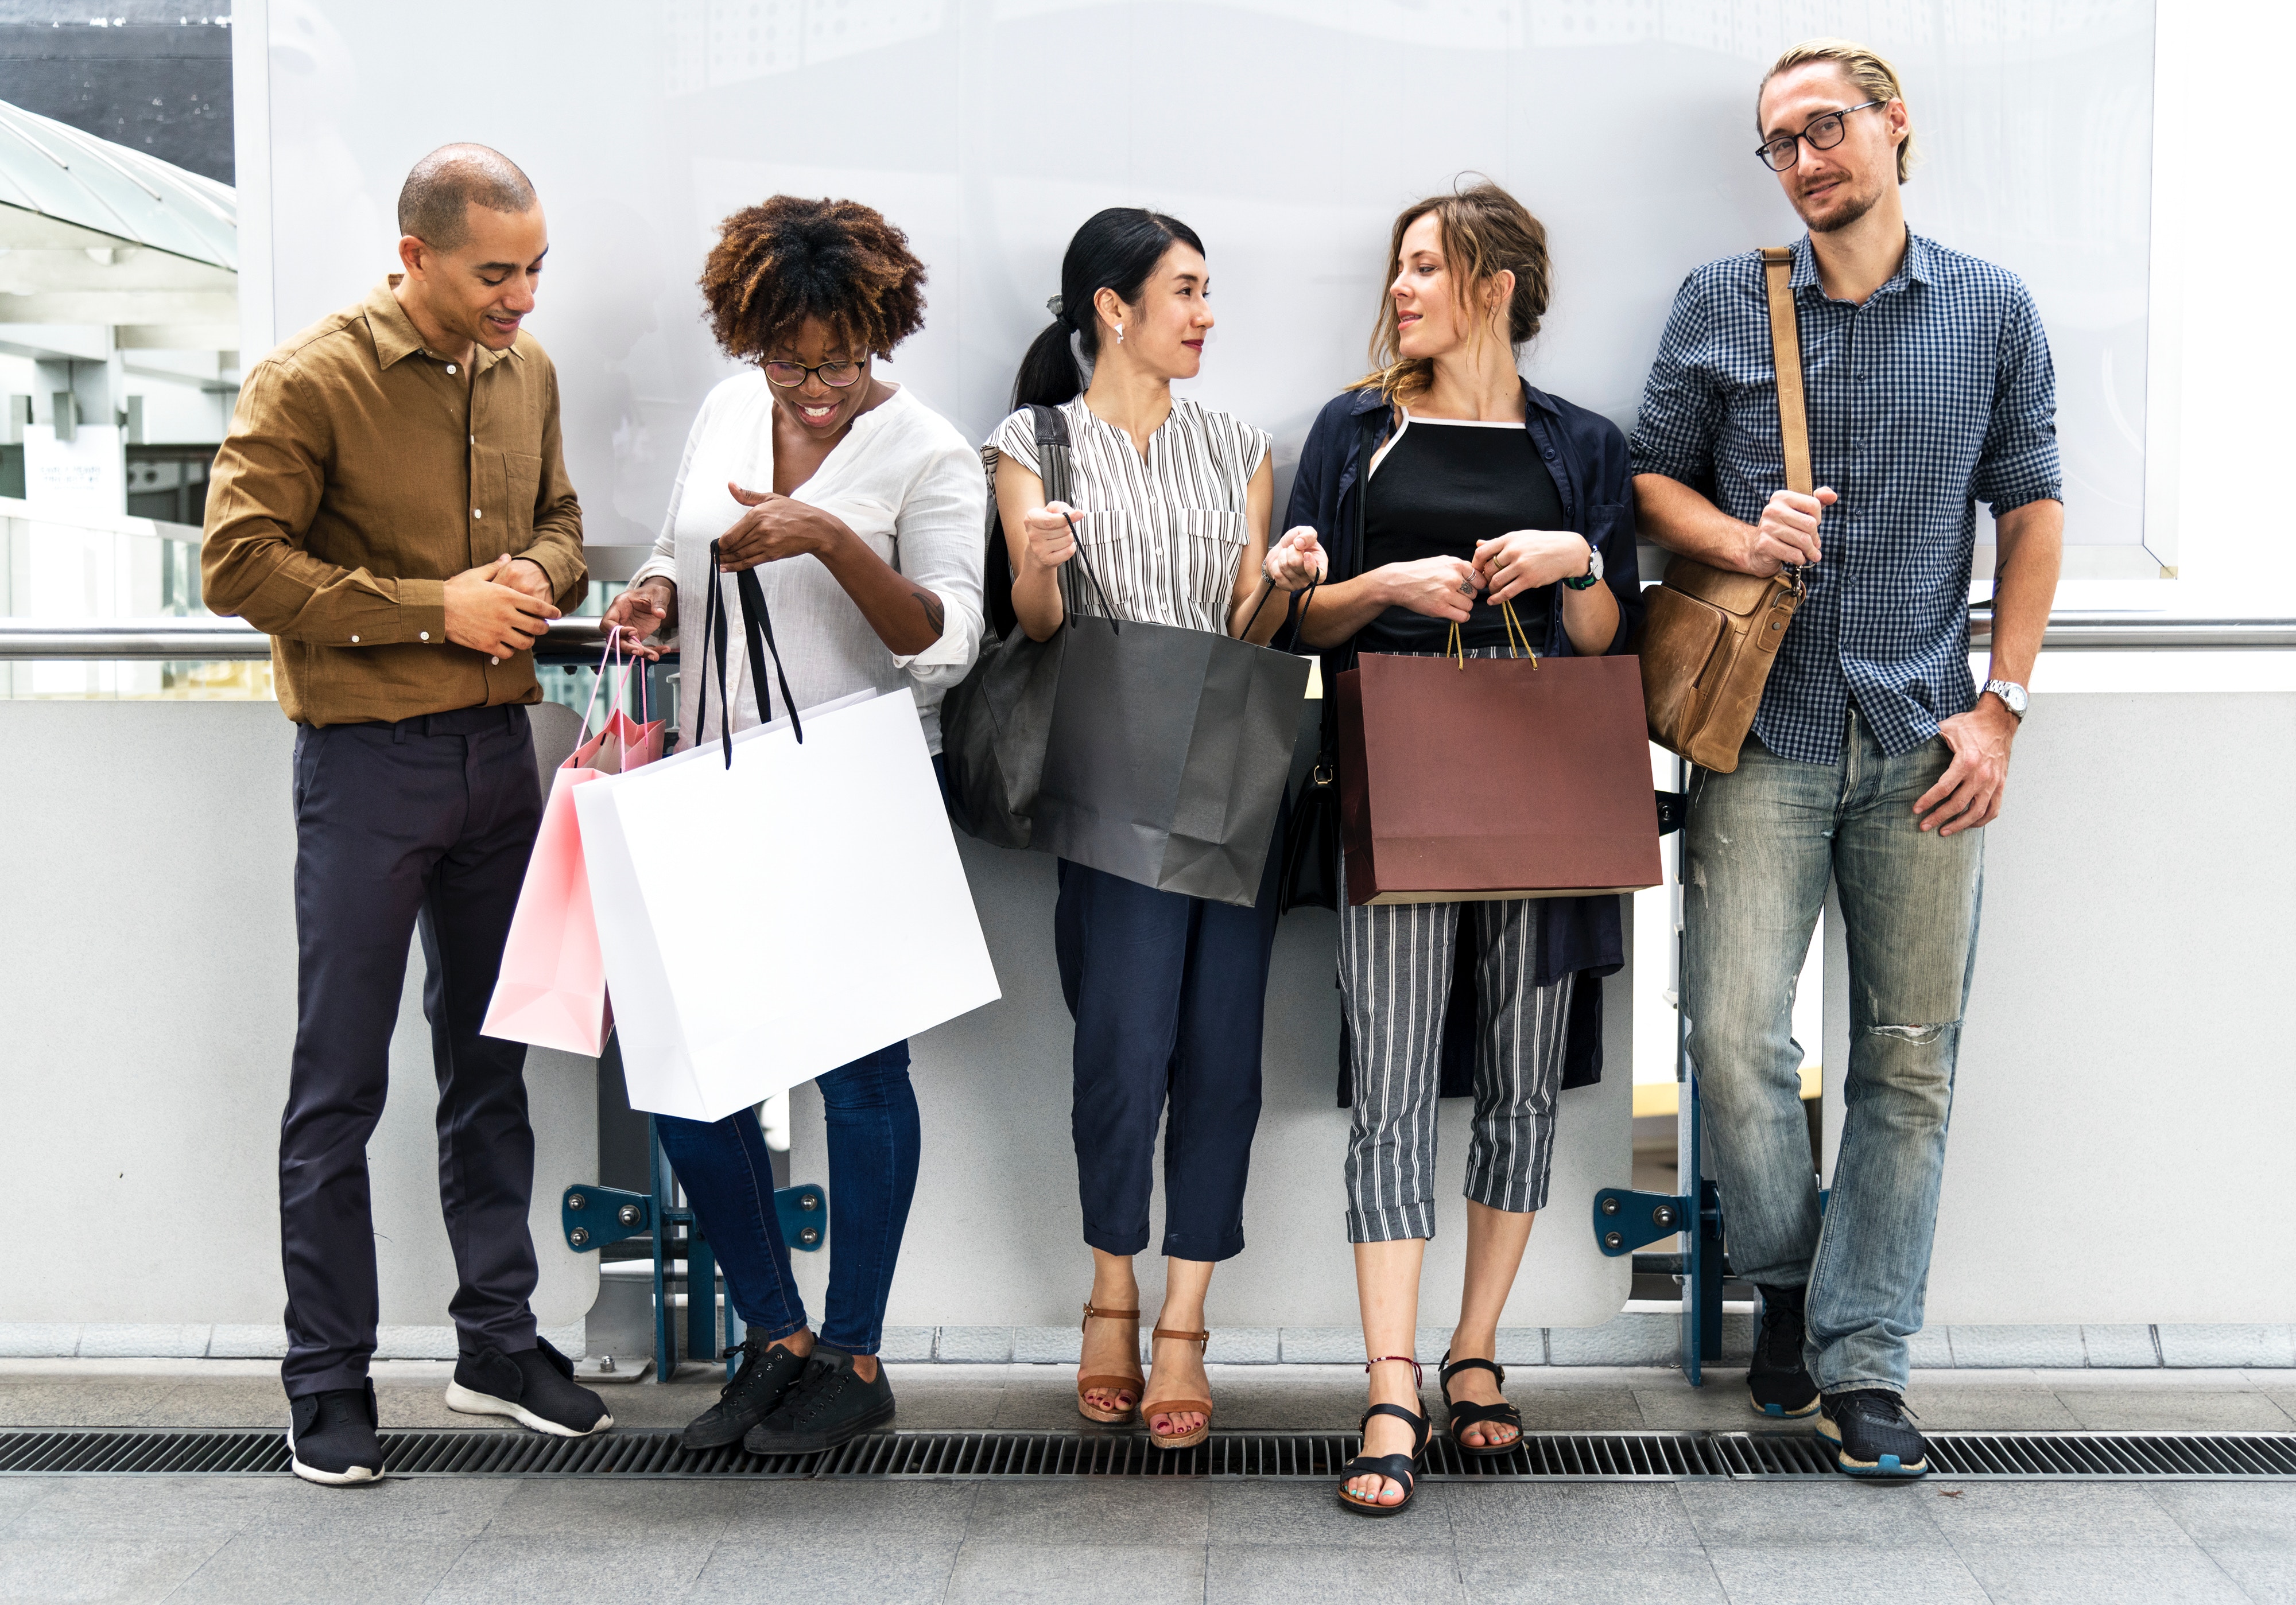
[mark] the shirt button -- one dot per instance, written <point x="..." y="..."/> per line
<point x="425" y="635"/>
<point x="450" y="367"/>
<point x="354" y="641"/>
<point x="478" y="512"/>
<point x="494" y="661"/>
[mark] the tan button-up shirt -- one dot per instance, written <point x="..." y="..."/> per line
<point x="361" y="473"/>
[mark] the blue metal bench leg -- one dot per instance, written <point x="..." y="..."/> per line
<point x="591" y="1216"/>
<point x="1626" y="1220"/>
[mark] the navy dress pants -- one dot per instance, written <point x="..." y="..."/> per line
<point x="1168" y="991"/>
<point x="426" y="824"/>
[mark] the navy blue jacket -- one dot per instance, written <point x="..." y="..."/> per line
<point x="1588" y="457"/>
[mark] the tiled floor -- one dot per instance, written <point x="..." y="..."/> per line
<point x="254" y="1541"/>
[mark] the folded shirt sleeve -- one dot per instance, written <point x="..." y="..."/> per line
<point x="941" y="529"/>
<point x="2018" y="462"/>
<point x="1681" y="411"/>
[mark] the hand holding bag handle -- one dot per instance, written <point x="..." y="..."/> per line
<point x="1711" y="634"/>
<point x="757" y="628"/>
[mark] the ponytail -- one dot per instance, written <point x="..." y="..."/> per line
<point x="1049" y="374"/>
<point x="1116" y="249"/>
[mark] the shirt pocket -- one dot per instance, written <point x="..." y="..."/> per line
<point x="518" y="482"/>
<point x="1212" y="543"/>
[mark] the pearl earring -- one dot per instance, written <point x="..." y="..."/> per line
<point x="1120" y="334"/>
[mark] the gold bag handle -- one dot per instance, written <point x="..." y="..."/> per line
<point x="1457" y="651"/>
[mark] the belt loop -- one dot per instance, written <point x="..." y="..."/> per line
<point x="398" y="731"/>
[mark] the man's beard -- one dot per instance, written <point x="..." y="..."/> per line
<point x="1856" y="208"/>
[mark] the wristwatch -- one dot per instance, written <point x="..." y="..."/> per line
<point x="1594" y="570"/>
<point x="2009" y="693"/>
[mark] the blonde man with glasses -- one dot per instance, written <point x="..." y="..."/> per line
<point x="1875" y="761"/>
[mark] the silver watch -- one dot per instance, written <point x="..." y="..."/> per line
<point x="2009" y="693"/>
<point x="1594" y="570"/>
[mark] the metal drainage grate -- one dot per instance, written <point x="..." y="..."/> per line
<point x="1540" y="1457"/>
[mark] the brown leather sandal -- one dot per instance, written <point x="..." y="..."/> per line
<point x="1203" y="1407"/>
<point x="1132" y="1385"/>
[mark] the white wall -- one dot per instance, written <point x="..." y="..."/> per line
<point x="2222" y="412"/>
<point x="150" y="1010"/>
<point x="988" y="131"/>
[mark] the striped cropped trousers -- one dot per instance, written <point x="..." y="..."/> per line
<point x="1397" y="962"/>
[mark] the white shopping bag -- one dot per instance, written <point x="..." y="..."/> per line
<point x="766" y="922"/>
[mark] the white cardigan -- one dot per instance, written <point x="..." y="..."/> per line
<point x="903" y="480"/>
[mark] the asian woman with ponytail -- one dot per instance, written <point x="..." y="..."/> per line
<point x="1169" y="502"/>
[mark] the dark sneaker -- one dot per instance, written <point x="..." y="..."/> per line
<point x="1870" y="1436"/>
<point x="767" y="1372"/>
<point x="535" y="1387"/>
<point x="829" y="1404"/>
<point x="1776" y="1379"/>
<point x="331" y="1437"/>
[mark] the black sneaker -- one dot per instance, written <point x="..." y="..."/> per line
<point x="1870" y="1436"/>
<point x="829" y="1404"/>
<point x="766" y="1373"/>
<point x="331" y="1437"/>
<point x="535" y="1387"/>
<point x="1777" y="1380"/>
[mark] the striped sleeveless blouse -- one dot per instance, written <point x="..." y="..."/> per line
<point x="1166" y="533"/>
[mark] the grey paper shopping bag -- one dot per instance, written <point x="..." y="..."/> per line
<point x="1167" y="755"/>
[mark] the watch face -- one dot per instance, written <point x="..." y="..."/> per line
<point x="2011" y="693"/>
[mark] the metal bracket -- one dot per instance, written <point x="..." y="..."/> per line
<point x="803" y="1211"/>
<point x="1626" y="1220"/>
<point x="592" y="1216"/>
<point x="1673" y="811"/>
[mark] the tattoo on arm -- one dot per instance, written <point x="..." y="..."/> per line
<point x="931" y="605"/>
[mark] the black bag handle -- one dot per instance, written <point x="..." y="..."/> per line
<point x="1054" y="464"/>
<point x="758" y="630"/>
<point x="1299" y="618"/>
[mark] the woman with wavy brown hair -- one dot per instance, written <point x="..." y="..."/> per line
<point x="1443" y="486"/>
<point x="862" y="508"/>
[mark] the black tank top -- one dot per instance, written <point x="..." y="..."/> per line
<point x="1443" y="485"/>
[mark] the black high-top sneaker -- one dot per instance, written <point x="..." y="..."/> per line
<point x="331" y="1437"/>
<point x="766" y="1373"/>
<point x="1776" y="1379"/>
<point x="535" y="1387"/>
<point x="1870" y="1436"/>
<point x="829" y="1404"/>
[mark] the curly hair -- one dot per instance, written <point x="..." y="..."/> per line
<point x="778" y="265"/>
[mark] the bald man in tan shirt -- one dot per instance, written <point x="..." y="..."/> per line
<point x="392" y="507"/>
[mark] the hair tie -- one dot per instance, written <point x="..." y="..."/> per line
<point x="1053" y="306"/>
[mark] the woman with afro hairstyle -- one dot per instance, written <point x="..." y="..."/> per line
<point x="862" y="508"/>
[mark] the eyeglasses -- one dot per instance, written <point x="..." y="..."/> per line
<point x="836" y="375"/>
<point x="1824" y="133"/>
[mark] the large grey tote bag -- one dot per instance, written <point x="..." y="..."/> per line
<point x="1169" y="754"/>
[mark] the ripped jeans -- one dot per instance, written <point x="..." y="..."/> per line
<point x="1761" y="845"/>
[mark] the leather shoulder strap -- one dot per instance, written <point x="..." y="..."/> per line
<point x="1785" y="351"/>
<point x="1052" y="451"/>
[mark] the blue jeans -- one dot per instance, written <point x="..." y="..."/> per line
<point x="872" y="1115"/>
<point x="1761" y="845"/>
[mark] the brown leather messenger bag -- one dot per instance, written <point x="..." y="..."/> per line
<point x="1711" y="634"/>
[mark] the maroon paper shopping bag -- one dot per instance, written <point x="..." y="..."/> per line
<point x="1492" y="778"/>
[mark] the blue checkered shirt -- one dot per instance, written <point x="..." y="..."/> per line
<point x="1936" y="394"/>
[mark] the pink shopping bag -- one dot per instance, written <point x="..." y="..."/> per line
<point x="551" y="991"/>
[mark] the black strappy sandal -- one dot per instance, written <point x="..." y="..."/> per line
<point x="1463" y="1416"/>
<point x="1395" y="1468"/>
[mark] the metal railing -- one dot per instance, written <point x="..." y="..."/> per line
<point x="576" y="640"/>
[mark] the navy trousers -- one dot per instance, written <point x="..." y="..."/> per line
<point x="1168" y="991"/>
<point x="426" y="824"/>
